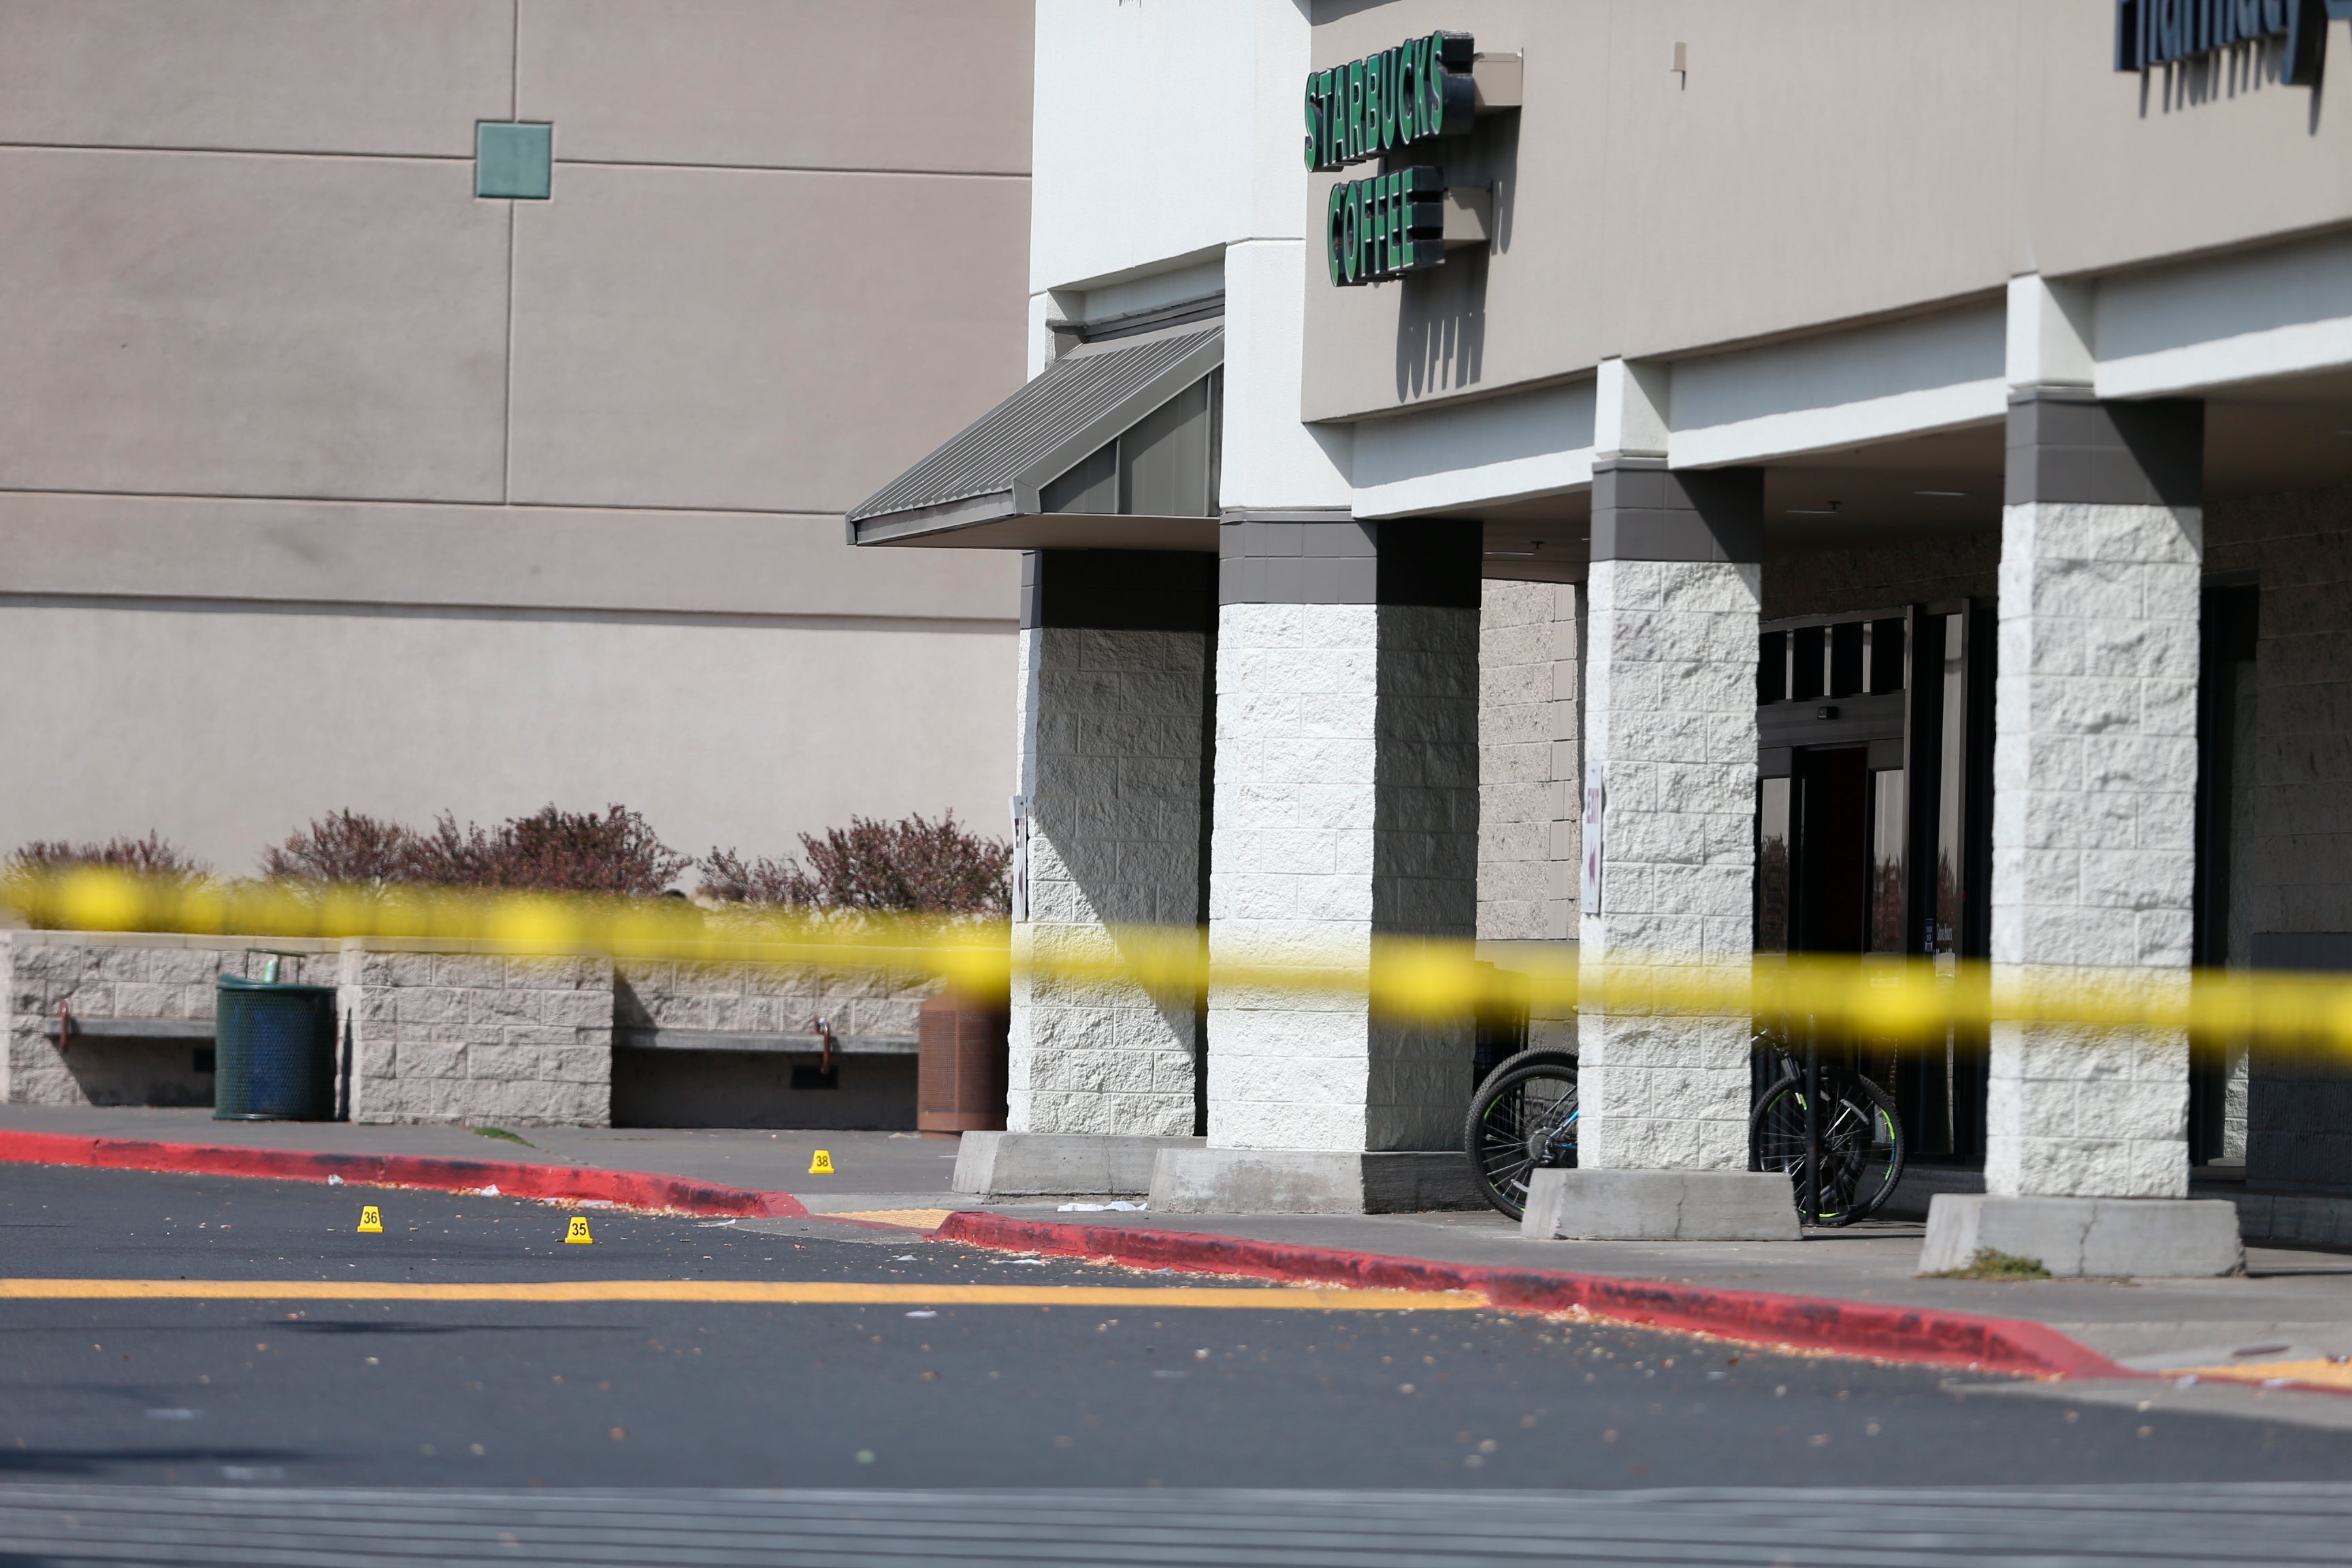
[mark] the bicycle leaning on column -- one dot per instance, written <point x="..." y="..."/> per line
<point x="1841" y="1144"/>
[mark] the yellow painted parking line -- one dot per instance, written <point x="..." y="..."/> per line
<point x="779" y="1293"/>
<point x="2320" y="1374"/>
<point x="913" y="1219"/>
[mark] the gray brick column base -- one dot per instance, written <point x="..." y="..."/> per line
<point x="1296" y="1181"/>
<point x="2104" y="1237"/>
<point x="1660" y="1206"/>
<point x="1059" y="1164"/>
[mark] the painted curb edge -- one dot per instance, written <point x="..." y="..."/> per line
<point x="1755" y="1317"/>
<point x="513" y="1178"/>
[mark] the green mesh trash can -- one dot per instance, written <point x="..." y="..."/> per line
<point x="273" y="1051"/>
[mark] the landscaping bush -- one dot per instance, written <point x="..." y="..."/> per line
<point x="553" y="850"/>
<point x="346" y="847"/>
<point x="28" y="882"/>
<point x="911" y="866"/>
<point x="152" y="855"/>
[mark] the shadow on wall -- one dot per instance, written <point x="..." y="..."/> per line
<point x="729" y="1088"/>
<point x="1441" y="319"/>
<point x="1442" y="327"/>
<point x="139" y="1072"/>
<point x="2216" y="77"/>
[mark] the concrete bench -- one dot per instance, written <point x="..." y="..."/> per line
<point x="641" y="1038"/>
<point x="131" y="1028"/>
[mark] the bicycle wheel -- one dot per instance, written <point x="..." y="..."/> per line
<point x="1522" y="1119"/>
<point x="1861" y="1143"/>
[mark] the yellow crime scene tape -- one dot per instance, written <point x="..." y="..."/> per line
<point x="1895" y="1002"/>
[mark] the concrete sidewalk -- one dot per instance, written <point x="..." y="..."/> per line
<point x="2292" y="1305"/>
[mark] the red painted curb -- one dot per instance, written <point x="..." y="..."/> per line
<point x="513" y="1178"/>
<point x="1755" y="1317"/>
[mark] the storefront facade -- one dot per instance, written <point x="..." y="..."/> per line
<point x="1689" y="480"/>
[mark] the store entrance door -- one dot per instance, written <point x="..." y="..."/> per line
<point x="1851" y="856"/>
<point x="1849" y="828"/>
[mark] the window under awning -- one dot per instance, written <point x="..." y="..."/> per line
<point x="1113" y="446"/>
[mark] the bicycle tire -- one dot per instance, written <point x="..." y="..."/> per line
<point x="1507" y="1139"/>
<point x="1862" y="1145"/>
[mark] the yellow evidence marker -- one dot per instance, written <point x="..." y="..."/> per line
<point x="371" y="1220"/>
<point x="579" y="1231"/>
<point x="820" y="1164"/>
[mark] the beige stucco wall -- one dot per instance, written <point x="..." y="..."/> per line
<point x="504" y="502"/>
<point x="1821" y="160"/>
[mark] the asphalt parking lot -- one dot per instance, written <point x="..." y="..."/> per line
<point x="1060" y="1390"/>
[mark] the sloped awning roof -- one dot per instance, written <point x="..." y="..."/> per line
<point x="981" y="487"/>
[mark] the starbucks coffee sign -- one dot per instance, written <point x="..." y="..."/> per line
<point x="1417" y="90"/>
<point x="1392" y="222"/>
<point x="1385" y="226"/>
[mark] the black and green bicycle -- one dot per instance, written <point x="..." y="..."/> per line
<point x="1524" y="1120"/>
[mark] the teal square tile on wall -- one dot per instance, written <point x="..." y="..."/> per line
<point x="512" y="159"/>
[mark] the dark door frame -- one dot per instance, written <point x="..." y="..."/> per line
<point x="1913" y="685"/>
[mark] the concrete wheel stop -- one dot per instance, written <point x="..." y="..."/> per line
<point x="1659" y="1205"/>
<point x="1059" y="1164"/>
<point x="2149" y="1239"/>
<point x="1311" y="1181"/>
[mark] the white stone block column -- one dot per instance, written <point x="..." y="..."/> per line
<point x="2094" y="777"/>
<point x="1113" y="647"/>
<point x="2095" y="781"/>
<point x="1346" y="810"/>
<point x="1670" y="799"/>
<point x="1671" y="746"/>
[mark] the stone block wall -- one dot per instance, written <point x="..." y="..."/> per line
<point x="1922" y="568"/>
<point x="2291" y="850"/>
<point x="2094" y="778"/>
<point x="1297" y="707"/>
<point x="478" y="1035"/>
<point x="1424" y="859"/>
<point x="1670" y="718"/>
<point x="111" y="976"/>
<point x="1111" y="722"/>
<point x="1529" y="766"/>
<point x="2294" y="858"/>
<point x="875" y="1020"/>
<point x="772" y="999"/>
<point x="1346" y="809"/>
<point x="463" y="1033"/>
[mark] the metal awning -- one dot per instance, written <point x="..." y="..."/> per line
<point x="982" y="487"/>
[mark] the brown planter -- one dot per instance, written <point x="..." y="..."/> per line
<point x="960" y="1077"/>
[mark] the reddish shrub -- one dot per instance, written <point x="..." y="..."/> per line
<point x="931" y="867"/>
<point x="27" y="881"/>
<point x="152" y="855"/>
<point x="556" y="851"/>
<point x="344" y="846"/>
